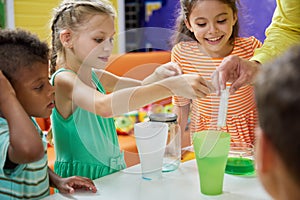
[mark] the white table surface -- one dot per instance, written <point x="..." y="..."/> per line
<point x="182" y="184"/>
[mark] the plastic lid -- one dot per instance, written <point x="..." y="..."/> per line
<point x="163" y="117"/>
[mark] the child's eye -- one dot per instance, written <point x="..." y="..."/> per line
<point x="98" y="40"/>
<point x="111" y="40"/>
<point x="201" y="25"/>
<point x="222" y="21"/>
<point x="39" y="87"/>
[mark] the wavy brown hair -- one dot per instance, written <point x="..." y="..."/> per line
<point x="182" y="33"/>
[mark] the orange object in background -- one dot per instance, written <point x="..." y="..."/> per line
<point x="51" y="160"/>
<point x="137" y="65"/>
<point x="44" y="123"/>
<point x="128" y="145"/>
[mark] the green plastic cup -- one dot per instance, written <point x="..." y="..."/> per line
<point x="211" y="150"/>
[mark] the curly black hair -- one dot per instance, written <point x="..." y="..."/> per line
<point x="19" y="49"/>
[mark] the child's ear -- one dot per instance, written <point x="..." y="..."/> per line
<point x="265" y="155"/>
<point x="235" y="18"/>
<point x="187" y="24"/>
<point x="66" y="38"/>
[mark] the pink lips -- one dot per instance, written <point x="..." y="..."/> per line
<point x="51" y="105"/>
<point x="103" y="59"/>
<point x="214" y="42"/>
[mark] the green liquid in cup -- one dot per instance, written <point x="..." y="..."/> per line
<point x="211" y="171"/>
<point x="239" y="166"/>
<point x="211" y="151"/>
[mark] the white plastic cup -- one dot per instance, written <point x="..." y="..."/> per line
<point x="151" y="139"/>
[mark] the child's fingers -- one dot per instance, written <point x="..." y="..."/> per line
<point x="67" y="189"/>
<point x="82" y="182"/>
<point x="176" y="68"/>
<point x="86" y="179"/>
<point x="168" y="73"/>
<point x="169" y="69"/>
<point x="71" y="190"/>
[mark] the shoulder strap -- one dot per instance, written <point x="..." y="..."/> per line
<point x="58" y="71"/>
<point x="98" y="84"/>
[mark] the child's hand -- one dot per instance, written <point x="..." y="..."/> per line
<point x="6" y="88"/>
<point x="164" y="71"/>
<point x="188" y="85"/>
<point x="167" y="70"/>
<point x="70" y="184"/>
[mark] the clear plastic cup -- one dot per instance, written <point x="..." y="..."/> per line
<point x="151" y="139"/>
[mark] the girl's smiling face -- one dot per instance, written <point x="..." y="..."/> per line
<point x="212" y="23"/>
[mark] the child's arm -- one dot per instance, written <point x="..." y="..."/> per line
<point x="125" y="100"/>
<point x="164" y="71"/>
<point x="112" y="82"/>
<point x="71" y="91"/>
<point x="183" y="114"/>
<point x="25" y="143"/>
<point x="70" y="184"/>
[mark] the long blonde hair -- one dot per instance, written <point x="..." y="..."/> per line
<point x="72" y="14"/>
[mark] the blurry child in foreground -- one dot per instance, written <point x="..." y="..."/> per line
<point x="278" y="137"/>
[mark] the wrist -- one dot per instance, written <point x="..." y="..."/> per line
<point x="53" y="178"/>
<point x="257" y="67"/>
<point x="149" y="79"/>
<point x="166" y="86"/>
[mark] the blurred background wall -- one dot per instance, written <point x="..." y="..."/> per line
<point x="142" y="25"/>
<point x="254" y="17"/>
<point x="33" y="15"/>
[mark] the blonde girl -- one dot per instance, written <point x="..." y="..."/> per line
<point x="87" y="96"/>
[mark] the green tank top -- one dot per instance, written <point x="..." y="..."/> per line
<point x="85" y="144"/>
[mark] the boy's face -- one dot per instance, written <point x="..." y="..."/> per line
<point x="34" y="90"/>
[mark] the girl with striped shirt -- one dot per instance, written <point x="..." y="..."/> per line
<point x="206" y="33"/>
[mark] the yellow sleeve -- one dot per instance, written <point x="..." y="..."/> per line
<point x="283" y="32"/>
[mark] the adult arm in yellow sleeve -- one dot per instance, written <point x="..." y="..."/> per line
<point x="283" y="32"/>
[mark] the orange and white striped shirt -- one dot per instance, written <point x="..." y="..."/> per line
<point x="241" y="115"/>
